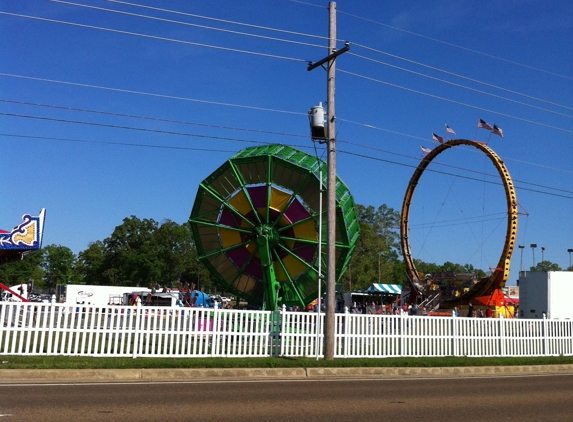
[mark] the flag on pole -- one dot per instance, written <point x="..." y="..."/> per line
<point x="425" y="150"/>
<point x="450" y="130"/>
<point x="437" y="138"/>
<point x="484" y="125"/>
<point x="497" y="131"/>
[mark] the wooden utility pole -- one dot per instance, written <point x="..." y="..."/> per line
<point x="331" y="193"/>
<point x="331" y="181"/>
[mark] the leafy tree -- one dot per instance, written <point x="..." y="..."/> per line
<point x="177" y="254"/>
<point x="91" y="264"/>
<point x="21" y="271"/>
<point x="142" y="252"/>
<point x="376" y="251"/>
<point x="545" y="266"/>
<point x="59" y="266"/>
<point x="131" y="253"/>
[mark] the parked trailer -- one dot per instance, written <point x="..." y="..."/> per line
<point x="545" y="294"/>
<point x="81" y="294"/>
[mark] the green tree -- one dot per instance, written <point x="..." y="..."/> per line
<point x="30" y="267"/>
<point x="546" y="266"/>
<point x="131" y="254"/>
<point x="91" y="264"/>
<point x="376" y="252"/>
<point x="177" y="253"/>
<point x="59" y="266"/>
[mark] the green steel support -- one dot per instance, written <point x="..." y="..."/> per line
<point x="267" y="238"/>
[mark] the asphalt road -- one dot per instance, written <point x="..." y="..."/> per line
<point x="533" y="398"/>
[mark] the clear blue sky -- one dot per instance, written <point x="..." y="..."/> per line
<point x="515" y="56"/>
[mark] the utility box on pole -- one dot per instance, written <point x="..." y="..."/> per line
<point x="545" y="293"/>
<point x="316" y="120"/>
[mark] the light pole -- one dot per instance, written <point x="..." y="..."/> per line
<point x="521" y="247"/>
<point x="542" y="253"/>
<point x="570" y="251"/>
<point x="533" y="246"/>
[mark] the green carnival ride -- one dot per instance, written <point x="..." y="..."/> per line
<point x="255" y="222"/>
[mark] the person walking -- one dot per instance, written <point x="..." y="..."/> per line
<point x="471" y="313"/>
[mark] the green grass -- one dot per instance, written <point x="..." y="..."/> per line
<point x="63" y="362"/>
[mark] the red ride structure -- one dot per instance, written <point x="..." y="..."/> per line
<point x="24" y="238"/>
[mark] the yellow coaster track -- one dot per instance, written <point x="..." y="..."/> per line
<point x="501" y="273"/>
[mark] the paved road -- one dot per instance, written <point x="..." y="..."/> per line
<point x="534" y="398"/>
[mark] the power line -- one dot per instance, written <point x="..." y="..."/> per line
<point x="178" y="122"/>
<point x="308" y="44"/>
<point x="238" y="140"/>
<point x="155" y="119"/>
<point x="247" y="130"/>
<point x="455" y="167"/>
<point x="313" y="45"/>
<point x="254" y="142"/>
<point x="449" y="174"/>
<point x="117" y="31"/>
<point x="218" y="20"/>
<point x="187" y="24"/>
<point x="460" y="86"/>
<point x="461" y="223"/>
<point x="164" y="132"/>
<point x="150" y="94"/>
<point x="116" y="143"/>
<point x="307" y="4"/>
<point x="369" y="126"/>
<point x="452" y="101"/>
<point x="491" y="56"/>
<point x="476" y="219"/>
<point x="461" y="76"/>
<point x="216" y="127"/>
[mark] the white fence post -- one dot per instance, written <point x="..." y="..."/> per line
<point x="215" y="333"/>
<point x="402" y="333"/>
<point x="51" y="322"/>
<point x="346" y="330"/>
<point x="137" y="316"/>
<point x="502" y="337"/>
<point x="277" y="339"/>
<point x="455" y="341"/>
<point x="545" y="336"/>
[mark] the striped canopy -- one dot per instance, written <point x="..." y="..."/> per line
<point x="393" y="289"/>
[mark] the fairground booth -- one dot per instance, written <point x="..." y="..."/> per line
<point x="376" y="298"/>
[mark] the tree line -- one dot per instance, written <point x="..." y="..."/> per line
<point x="143" y="252"/>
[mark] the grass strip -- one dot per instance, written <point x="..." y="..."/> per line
<point x="66" y="362"/>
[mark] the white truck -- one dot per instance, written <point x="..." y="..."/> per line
<point x="19" y="289"/>
<point x="546" y="294"/>
<point x="82" y="294"/>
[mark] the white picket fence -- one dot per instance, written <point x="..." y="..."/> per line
<point x="113" y="331"/>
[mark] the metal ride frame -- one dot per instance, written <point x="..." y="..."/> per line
<point x="255" y="223"/>
<point x="501" y="273"/>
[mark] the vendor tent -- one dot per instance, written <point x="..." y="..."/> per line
<point x="392" y="289"/>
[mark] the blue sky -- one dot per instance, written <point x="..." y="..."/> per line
<point x="406" y="75"/>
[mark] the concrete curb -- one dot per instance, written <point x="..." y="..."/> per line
<point x="23" y="376"/>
